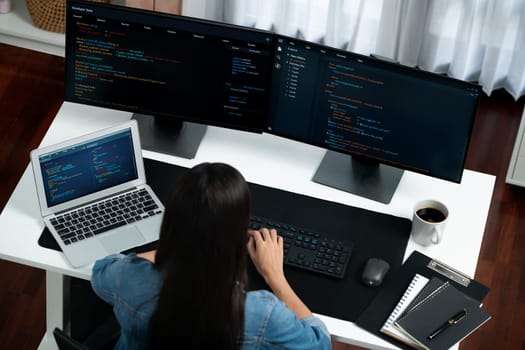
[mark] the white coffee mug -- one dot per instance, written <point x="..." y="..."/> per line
<point x="428" y="222"/>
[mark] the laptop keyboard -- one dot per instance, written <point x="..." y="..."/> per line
<point x="309" y="250"/>
<point x="103" y="216"/>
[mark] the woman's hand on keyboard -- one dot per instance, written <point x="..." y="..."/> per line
<point x="266" y="251"/>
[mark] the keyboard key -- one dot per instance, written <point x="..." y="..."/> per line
<point x="109" y="227"/>
<point x="150" y="207"/>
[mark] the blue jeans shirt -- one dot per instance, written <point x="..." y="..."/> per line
<point x="132" y="284"/>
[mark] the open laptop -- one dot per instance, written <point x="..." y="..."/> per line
<point x="93" y="194"/>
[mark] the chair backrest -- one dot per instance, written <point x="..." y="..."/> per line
<point x="65" y="342"/>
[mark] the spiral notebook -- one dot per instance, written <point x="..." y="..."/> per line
<point x="413" y="290"/>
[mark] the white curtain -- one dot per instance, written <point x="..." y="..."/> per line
<point x="474" y="40"/>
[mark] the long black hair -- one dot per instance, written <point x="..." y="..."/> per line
<point x="202" y="255"/>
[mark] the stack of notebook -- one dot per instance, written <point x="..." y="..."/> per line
<point x="433" y="314"/>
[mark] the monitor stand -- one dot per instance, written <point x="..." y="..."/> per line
<point x="366" y="179"/>
<point x="169" y="135"/>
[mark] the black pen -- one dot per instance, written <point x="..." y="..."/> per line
<point x="453" y="320"/>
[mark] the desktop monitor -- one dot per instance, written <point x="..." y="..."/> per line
<point x="177" y="74"/>
<point x="374" y="117"/>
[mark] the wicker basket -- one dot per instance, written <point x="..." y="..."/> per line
<point x="50" y="14"/>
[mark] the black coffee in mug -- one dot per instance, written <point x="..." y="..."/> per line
<point x="431" y="214"/>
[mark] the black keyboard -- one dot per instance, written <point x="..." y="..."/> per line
<point x="309" y="250"/>
<point x="103" y="216"/>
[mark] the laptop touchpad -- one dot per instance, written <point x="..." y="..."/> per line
<point x="123" y="239"/>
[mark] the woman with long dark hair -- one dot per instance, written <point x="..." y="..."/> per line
<point x="190" y="292"/>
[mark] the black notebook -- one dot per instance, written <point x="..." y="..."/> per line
<point x="441" y="319"/>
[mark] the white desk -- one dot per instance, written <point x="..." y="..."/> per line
<point x="262" y="159"/>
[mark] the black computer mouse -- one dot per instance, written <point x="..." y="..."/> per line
<point x="374" y="272"/>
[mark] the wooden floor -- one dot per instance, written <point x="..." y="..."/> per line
<point x="31" y="90"/>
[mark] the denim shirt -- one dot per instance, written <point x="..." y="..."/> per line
<point x="131" y="284"/>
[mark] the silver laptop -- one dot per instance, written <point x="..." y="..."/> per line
<point x="93" y="194"/>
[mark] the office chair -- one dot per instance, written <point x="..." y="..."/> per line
<point x="65" y="342"/>
<point x="104" y="337"/>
